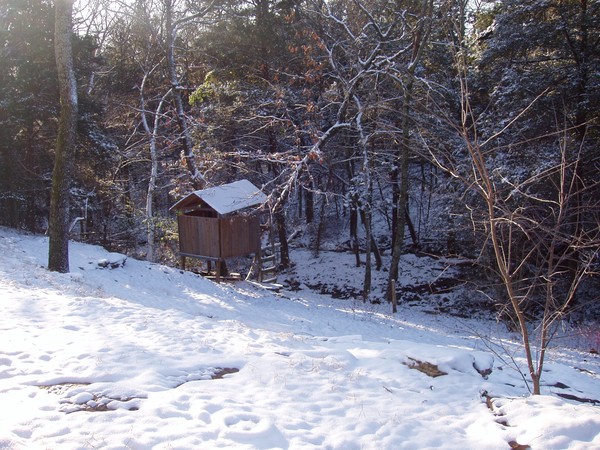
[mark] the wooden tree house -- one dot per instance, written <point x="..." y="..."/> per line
<point x="219" y="223"/>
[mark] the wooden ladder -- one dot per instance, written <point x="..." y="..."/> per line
<point x="269" y="260"/>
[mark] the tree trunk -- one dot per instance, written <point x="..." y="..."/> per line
<point x="30" y="218"/>
<point x="309" y="203"/>
<point x="420" y="38"/>
<point x="150" y="203"/>
<point x="365" y="212"/>
<point x="320" y="228"/>
<point x="353" y="216"/>
<point x="354" y="232"/>
<point x="395" y="193"/>
<point x="58" y="230"/>
<point x="282" y="234"/>
<point x="300" y="192"/>
<point x="153" y="134"/>
<point x="324" y="201"/>
<point x="402" y="193"/>
<point x="374" y="246"/>
<point x="367" y="279"/>
<point x="188" y="156"/>
<point x="411" y="228"/>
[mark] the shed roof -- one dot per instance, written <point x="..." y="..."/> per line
<point x="226" y="198"/>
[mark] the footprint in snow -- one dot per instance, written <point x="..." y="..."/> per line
<point x="249" y="428"/>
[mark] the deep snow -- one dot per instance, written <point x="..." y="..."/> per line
<point x="124" y="357"/>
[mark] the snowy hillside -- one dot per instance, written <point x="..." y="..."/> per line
<point x="124" y="354"/>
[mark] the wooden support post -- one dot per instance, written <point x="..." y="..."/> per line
<point x="259" y="276"/>
<point x="253" y="267"/>
<point x="394" y="300"/>
<point x="182" y="262"/>
<point x="218" y="271"/>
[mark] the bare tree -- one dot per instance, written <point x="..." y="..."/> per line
<point x="152" y="133"/>
<point x="58" y="229"/>
<point x="364" y="44"/>
<point x="173" y="23"/>
<point x="543" y="231"/>
<point x="420" y="30"/>
<point x="94" y="18"/>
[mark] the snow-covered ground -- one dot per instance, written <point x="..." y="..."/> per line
<point x="143" y="356"/>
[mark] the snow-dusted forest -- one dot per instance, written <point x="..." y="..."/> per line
<point x="449" y="123"/>
<point x="438" y="153"/>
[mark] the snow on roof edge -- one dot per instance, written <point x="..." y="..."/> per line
<point x="228" y="198"/>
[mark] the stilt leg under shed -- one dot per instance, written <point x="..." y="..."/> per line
<point x="218" y="271"/>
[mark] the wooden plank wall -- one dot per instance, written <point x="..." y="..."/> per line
<point x="199" y="236"/>
<point x="240" y="235"/>
<point x="219" y="238"/>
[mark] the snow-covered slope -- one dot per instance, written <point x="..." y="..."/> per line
<point x="144" y="356"/>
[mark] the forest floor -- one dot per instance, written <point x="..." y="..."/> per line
<point x="430" y="283"/>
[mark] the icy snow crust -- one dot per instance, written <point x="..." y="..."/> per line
<point x="125" y="357"/>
